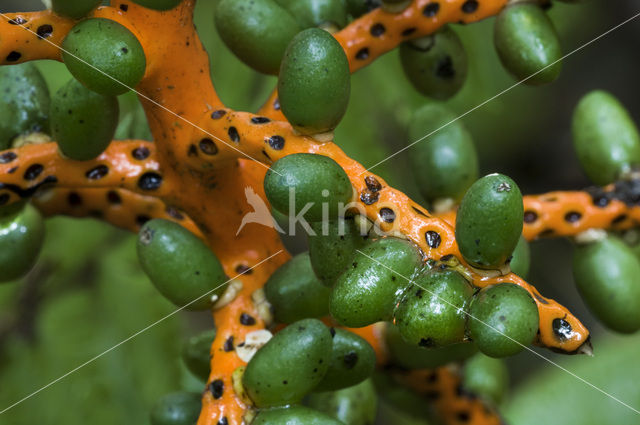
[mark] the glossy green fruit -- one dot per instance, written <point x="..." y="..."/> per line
<point x="180" y="408"/>
<point x="527" y="43"/>
<point x="357" y="8"/>
<point x="257" y="31"/>
<point x="180" y="265"/>
<point x="295" y="292"/>
<point x="158" y="4"/>
<point x="489" y="221"/>
<point x="368" y="290"/>
<point x="521" y="259"/>
<point x="445" y="163"/>
<point x="412" y="356"/>
<point x="75" y="9"/>
<point x="432" y="312"/>
<point x="605" y="137"/>
<point x="293" y="415"/>
<point x="486" y="377"/>
<point x="503" y="320"/>
<point x="310" y="183"/>
<point x="104" y="45"/>
<point x="290" y="365"/>
<point x="353" y="361"/>
<point x="21" y="238"/>
<point x="355" y="405"/>
<point x="436" y="65"/>
<point x="24" y="102"/>
<point x="606" y="273"/>
<point x="329" y="14"/>
<point x="83" y="121"/>
<point x="315" y="82"/>
<point x="333" y="246"/>
<point x="196" y="353"/>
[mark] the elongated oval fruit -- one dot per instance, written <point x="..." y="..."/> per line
<point x="256" y="31"/>
<point x="333" y="246"/>
<point x="158" y="4"/>
<point x="315" y="185"/>
<point x="605" y="137"/>
<point x="486" y="377"/>
<point x="295" y="292"/>
<point x="436" y="65"/>
<point x="21" y="238"/>
<point x="290" y="365"/>
<point x="293" y="415"/>
<point x="503" y="320"/>
<point x="355" y="405"/>
<point x="75" y="9"/>
<point x="326" y="14"/>
<point x="413" y="356"/>
<point x="445" y="164"/>
<point x="527" y="43"/>
<point x="489" y="221"/>
<point x="606" y="273"/>
<point x="83" y="121"/>
<point x="24" y="102"/>
<point x="352" y="361"/>
<point x="180" y="265"/>
<point x="368" y="290"/>
<point x="180" y="408"/>
<point x="521" y="260"/>
<point x="97" y="46"/>
<point x="432" y="312"/>
<point x="315" y="82"/>
<point x="196" y="353"/>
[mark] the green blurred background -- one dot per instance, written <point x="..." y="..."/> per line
<point x="88" y="293"/>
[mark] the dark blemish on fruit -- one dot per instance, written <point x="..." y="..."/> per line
<point x="243" y="269"/>
<point x="369" y="198"/>
<point x="113" y="197"/>
<point x="216" y="115"/>
<point x="228" y="344"/>
<point x="572" y="216"/>
<point x="276" y="142"/>
<point x="470" y="6"/>
<point x="208" y="147"/>
<point x="44" y="31"/>
<point x="350" y="360"/>
<point x="433" y="238"/>
<point x="223" y="421"/>
<point x="74" y="199"/>
<point x="431" y="10"/>
<point x="193" y="151"/>
<point x="377" y="30"/>
<point x="362" y="54"/>
<point x="372" y="184"/>
<point x="445" y="69"/>
<point x="7" y="157"/>
<point x="260" y="120"/>
<point x="332" y="331"/>
<point x="124" y="7"/>
<point x="17" y="21"/>
<point x="504" y="187"/>
<point x="233" y="134"/>
<point x="561" y="329"/>
<point x="150" y="181"/>
<point x="14" y="56"/>
<point x="428" y="343"/>
<point x="216" y="388"/>
<point x="141" y="153"/>
<point x="247" y="320"/>
<point x="530" y="216"/>
<point x="387" y="215"/>
<point x="98" y="172"/>
<point x="33" y="172"/>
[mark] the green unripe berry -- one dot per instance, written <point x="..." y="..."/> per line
<point x="180" y="408"/>
<point x="327" y="14"/>
<point x="196" y="353"/>
<point x="158" y="4"/>
<point x="357" y="8"/>
<point x="486" y="377"/>
<point x="75" y="9"/>
<point x="445" y="164"/>
<point x="293" y="415"/>
<point x="521" y="259"/>
<point x="21" y="237"/>
<point x="83" y="121"/>
<point x="333" y="246"/>
<point x="605" y="137"/>
<point x="503" y="320"/>
<point x="368" y="290"/>
<point x="527" y="43"/>
<point x="315" y="82"/>
<point x="290" y="365"/>
<point x="606" y="274"/>
<point x="355" y="405"/>
<point x="180" y="265"/>
<point x="24" y="102"/>
<point x="436" y="65"/>
<point x="295" y="292"/>
<point x="312" y="183"/>
<point x="489" y="221"/>
<point x="257" y="31"/>
<point x="98" y="46"/>
<point x="352" y="361"/>
<point x="432" y="312"/>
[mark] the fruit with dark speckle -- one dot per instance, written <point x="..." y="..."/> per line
<point x="196" y="353"/>
<point x="21" y="237"/>
<point x="75" y="9"/>
<point x="293" y="415"/>
<point x="180" y="408"/>
<point x="486" y="377"/>
<point x="355" y="405"/>
<point x="326" y="14"/>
